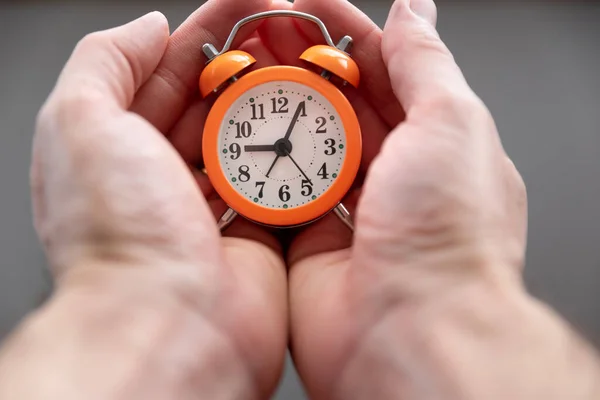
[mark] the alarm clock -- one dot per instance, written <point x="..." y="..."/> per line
<point x="281" y="145"/>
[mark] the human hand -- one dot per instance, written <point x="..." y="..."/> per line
<point x="150" y="303"/>
<point x="427" y="302"/>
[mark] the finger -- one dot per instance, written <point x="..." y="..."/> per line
<point x="421" y="67"/>
<point x="264" y="56"/>
<point x="109" y="66"/>
<point x="170" y="90"/>
<point x="187" y="134"/>
<point x="342" y="18"/>
<point x="282" y="37"/>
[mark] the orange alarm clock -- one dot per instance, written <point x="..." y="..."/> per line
<point x="282" y="145"/>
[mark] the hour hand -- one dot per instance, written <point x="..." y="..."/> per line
<point x="266" y="147"/>
<point x="301" y="108"/>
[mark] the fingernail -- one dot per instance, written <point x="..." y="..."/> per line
<point x="425" y="9"/>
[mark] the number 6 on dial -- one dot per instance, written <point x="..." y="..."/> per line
<point x="282" y="145"/>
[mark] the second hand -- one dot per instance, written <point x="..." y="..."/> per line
<point x="297" y="166"/>
<point x="272" y="166"/>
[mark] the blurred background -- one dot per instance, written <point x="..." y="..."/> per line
<point x="535" y="64"/>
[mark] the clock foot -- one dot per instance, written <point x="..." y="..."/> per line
<point x="227" y="219"/>
<point x="342" y="212"/>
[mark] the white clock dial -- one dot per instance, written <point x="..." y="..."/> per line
<point x="267" y="167"/>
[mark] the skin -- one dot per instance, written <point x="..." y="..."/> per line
<point x="426" y="301"/>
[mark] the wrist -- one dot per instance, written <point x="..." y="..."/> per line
<point x="480" y="342"/>
<point x="131" y="344"/>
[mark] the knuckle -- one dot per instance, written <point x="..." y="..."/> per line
<point x="113" y="54"/>
<point x="517" y="182"/>
<point x="67" y="109"/>
<point x="65" y="106"/>
<point x="520" y="186"/>
<point x="79" y="102"/>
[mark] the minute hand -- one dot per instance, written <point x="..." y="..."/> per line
<point x="300" y="169"/>
<point x="300" y="108"/>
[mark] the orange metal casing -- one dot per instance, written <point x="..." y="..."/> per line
<point x="299" y="215"/>
<point x="222" y="68"/>
<point x="335" y="61"/>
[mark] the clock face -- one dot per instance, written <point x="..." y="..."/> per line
<point x="281" y="145"/>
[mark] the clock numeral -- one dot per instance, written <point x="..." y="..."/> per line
<point x="236" y="151"/>
<point x="302" y="107"/>
<point x="283" y="105"/>
<point x="284" y="194"/>
<point x="244" y="171"/>
<point x="262" y="189"/>
<point x="322" y="122"/>
<point x="330" y="143"/>
<point x="323" y="172"/>
<point x="258" y="109"/>
<point x="243" y="130"/>
<point x="307" y="188"/>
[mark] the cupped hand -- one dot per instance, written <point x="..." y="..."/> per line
<point x="151" y="302"/>
<point x="426" y="301"/>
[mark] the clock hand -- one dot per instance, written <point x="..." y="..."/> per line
<point x="297" y="166"/>
<point x="286" y="138"/>
<point x="282" y="148"/>
<point x="272" y="166"/>
<point x="268" y="147"/>
<point x="301" y="107"/>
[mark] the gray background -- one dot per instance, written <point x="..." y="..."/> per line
<point x="535" y="64"/>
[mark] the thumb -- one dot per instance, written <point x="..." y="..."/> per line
<point x="420" y="66"/>
<point x="112" y="64"/>
<point x="425" y="9"/>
